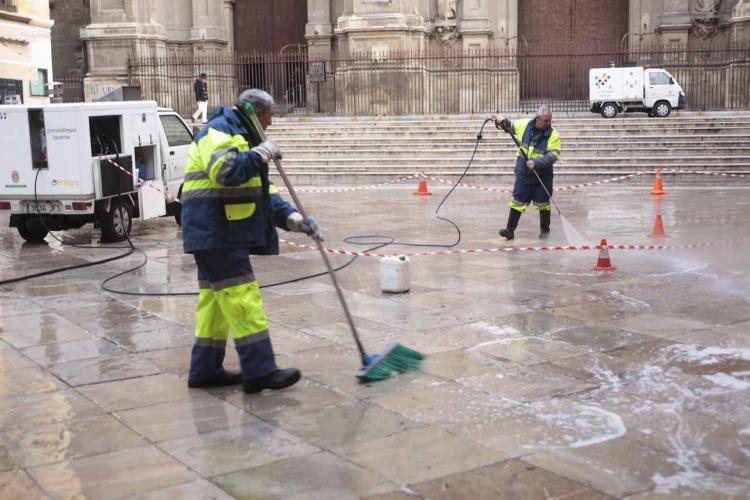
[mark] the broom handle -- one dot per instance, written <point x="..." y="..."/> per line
<point x="515" y="139"/>
<point x="318" y="244"/>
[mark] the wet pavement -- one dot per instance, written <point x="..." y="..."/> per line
<point x="543" y="378"/>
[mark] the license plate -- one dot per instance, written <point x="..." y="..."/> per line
<point x="45" y="207"/>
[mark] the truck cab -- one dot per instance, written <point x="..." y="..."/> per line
<point x="651" y="90"/>
<point x="66" y="165"/>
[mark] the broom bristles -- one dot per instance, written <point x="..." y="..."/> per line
<point x="394" y="358"/>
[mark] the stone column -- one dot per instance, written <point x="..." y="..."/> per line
<point x="506" y="32"/>
<point x="229" y="23"/>
<point x="475" y="27"/>
<point x="110" y="38"/>
<point x="319" y="29"/>
<point x="674" y="23"/>
<point x="208" y="35"/>
<point x="741" y="11"/>
<point x="382" y="26"/>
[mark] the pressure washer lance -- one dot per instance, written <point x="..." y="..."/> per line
<point x="505" y="125"/>
<point x="394" y="357"/>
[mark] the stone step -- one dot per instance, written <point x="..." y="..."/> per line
<point x="357" y="145"/>
<point x="452" y="128"/>
<point x="743" y="134"/>
<point x="477" y="121"/>
<point x="498" y="178"/>
<point x="487" y="149"/>
<point x="442" y="160"/>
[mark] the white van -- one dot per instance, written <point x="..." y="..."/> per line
<point x="615" y="90"/>
<point x="65" y="165"/>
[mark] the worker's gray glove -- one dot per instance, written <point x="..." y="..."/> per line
<point x="268" y="150"/>
<point x="295" y="222"/>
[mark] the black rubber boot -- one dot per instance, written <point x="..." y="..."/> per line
<point x="513" y="217"/>
<point x="227" y="377"/>
<point x="277" y="379"/>
<point x="544" y="220"/>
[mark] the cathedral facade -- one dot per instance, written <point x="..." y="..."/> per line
<point x="116" y="30"/>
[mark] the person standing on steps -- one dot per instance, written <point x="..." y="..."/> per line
<point x="541" y="144"/>
<point x="200" y="87"/>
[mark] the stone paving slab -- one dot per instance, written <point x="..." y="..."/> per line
<point x="543" y="378"/>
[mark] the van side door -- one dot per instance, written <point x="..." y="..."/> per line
<point x="659" y="86"/>
<point x="175" y="145"/>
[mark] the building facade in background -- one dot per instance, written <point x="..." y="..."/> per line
<point x="170" y="41"/>
<point x="123" y="29"/>
<point x="25" y="51"/>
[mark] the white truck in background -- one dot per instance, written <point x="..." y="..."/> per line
<point x="57" y="169"/>
<point x="616" y="90"/>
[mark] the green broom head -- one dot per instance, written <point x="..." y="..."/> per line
<point x="394" y="358"/>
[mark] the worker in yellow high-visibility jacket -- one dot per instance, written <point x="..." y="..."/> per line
<point x="230" y="210"/>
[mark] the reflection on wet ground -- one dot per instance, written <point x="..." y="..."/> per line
<point x="543" y="377"/>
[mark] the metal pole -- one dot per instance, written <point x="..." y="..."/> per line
<point x="315" y="238"/>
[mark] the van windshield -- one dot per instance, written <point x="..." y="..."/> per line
<point x="659" y="78"/>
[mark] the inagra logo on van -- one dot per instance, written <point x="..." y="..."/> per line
<point x="15" y="176"/>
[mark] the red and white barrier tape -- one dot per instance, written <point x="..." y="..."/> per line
<point x="700" y="172"/>
<point x="354" y="188"/>
<point x="153" y="186"/>
<point x="422" y="175"/>
<point x="563" y="188"/>
<point x="352" y="253"/>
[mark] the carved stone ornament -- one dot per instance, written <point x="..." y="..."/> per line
<point x="707" y="6"/>
<point x="447" y="34"/>
<point x="706" y="19"/>
<point x="705" y="28"/>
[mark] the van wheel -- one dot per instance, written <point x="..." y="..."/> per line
<point x="117" y="222"/>
<point x="33" y="233"/>
<point x="662" y="109"/>
<point x="609" y="110"/>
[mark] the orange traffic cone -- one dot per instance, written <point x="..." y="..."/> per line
<point x="603" y="263"/>
<point x="658" y="230"/>
<point x="422" y="189"/>
<point x="658" y="188"/>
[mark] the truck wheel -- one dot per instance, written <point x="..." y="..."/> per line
<point x="117" y="222"/>
<point x="662" y="109"/>
<point x="34" y="233"/>
<point x="609" y="110"/>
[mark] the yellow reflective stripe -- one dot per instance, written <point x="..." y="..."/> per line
<point x="209" y="320"/>
<point x="542" y="207"/>
<point x="272" y="189"/>
<point x="194" y="164"/>
<point x="217" y="141"/>
<point x="554" y="144"/>
<point x="518" y="207"/>
<point x="239" y="211"/>
<point x="243" y="308"/>
<point x="209" y="184"/>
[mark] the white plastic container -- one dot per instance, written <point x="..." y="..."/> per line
<point x="395" y="275"/>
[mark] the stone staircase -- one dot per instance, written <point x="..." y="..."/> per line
<point x="321" y="149"/>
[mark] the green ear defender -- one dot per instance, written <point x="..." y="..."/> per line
<point x="248" y="109"/>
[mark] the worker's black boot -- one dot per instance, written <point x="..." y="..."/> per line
<point x="277" y="379"/>
<point x="544" y="220"/>
<point x="513" y="217"/>
<point x="224" y="377"/>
